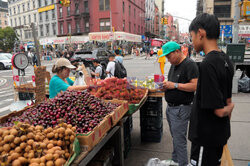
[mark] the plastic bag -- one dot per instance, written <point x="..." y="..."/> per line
<point x="244" y="84"/>
<point x="79" y="78"/>
<point x="157" y="162"/>
<point x="226" y="159"/>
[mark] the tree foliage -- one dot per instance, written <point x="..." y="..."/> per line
<point x="7" y="39"/>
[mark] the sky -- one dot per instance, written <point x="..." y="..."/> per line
<point x="181" y="8"/>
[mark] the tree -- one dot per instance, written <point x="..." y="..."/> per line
<point x="7" y="39"/>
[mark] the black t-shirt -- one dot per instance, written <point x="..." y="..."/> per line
<point x="214" y="88"/>
<point x="182" y="73"/>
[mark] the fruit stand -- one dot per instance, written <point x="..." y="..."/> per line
<point x="98" y="117"/>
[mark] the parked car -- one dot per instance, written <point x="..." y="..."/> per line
<point x="5" y="62"/>
<point x="8" y="55"/>
<point x="87" y="57"/>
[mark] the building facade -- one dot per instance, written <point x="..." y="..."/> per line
<point x="21" y="14"/>
<point x="73" y="20"/>
<point x="224" y="10"/>
<point x="160" y="5"/>
<point x="47" y="18"/>
<point x="149" y="17"/>
<point x="3" y="14"/>
<point x="157" y="22"/>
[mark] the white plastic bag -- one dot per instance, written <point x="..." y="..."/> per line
<point x="79" y="78"/>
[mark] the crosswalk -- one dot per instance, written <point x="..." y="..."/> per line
<point x="6" y="98"/>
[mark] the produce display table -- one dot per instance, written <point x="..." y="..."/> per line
<point x="116" y="133"/>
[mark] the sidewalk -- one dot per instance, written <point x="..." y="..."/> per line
<point x="239" y="144"/>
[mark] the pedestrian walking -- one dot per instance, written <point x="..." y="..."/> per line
<point x="111" y="66"/>
<point x="209" y="127"/>
<point x="118" y="56"/>
<point x="179" y="93"/>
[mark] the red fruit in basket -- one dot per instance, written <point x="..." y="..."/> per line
<point x="57" y="116"/>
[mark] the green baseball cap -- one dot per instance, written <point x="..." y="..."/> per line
<point x="169" y="47"/>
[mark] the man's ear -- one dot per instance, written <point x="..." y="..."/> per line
<point x="202" y="33"/>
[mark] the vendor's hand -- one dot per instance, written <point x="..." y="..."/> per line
<point x="168" y="85"/>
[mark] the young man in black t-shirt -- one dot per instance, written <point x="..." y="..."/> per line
<point x="209" y="127"/>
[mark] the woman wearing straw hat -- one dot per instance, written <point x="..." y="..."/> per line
<point x="61" y="81"/>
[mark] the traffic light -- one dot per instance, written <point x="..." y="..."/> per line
<point x="162" y="21"/>
<point x="67" y="2"/>
<point x="64" y="2"/>
<point x="165" y="21"/>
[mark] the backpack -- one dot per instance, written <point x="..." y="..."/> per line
<point x="120" y="71"/>
<point x="104" y="75"/>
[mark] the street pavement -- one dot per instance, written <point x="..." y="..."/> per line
<point x="140" y="153"/>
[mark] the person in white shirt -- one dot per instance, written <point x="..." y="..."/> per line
<point x="111" y="66"/>
<point x="118" y="57"/>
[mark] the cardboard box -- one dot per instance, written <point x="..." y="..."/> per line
<point x="89" y="140"/>
<point x="118" y="112"/>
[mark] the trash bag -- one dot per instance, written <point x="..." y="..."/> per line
<point x="244" y="84"/>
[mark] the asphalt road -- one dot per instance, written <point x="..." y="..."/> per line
<point x="136" y="67"/>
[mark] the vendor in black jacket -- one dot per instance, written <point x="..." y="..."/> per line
<point x="209" y="127"/>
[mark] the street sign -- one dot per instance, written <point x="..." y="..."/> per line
<point x="226" y="30"/>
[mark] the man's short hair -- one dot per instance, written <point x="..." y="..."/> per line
<point x="117" y="52"/>
<point x="209" y="23"/>
<point x="111" y="56"/>
<point x="96" y="61"/>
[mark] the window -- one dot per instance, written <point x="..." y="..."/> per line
<point x="123" y="26"/>
<point x="53" y="14"/>
<point x="39" y="3"/>
<point x="20" y="21"/>
<point x="47" y="15"/>
<point x="138" y="29"/>
<point x="10" y="12"/>
<point x="34" y="5"/>
<point x="24" y="20"/>
<point x="123" y="7"/>
<point x="129" y="26"/>
<point x="11" y="24"/>
<point x="104" y="4"/>
<point x="23" y="7"/>
<point x="61" y="28"/>
<point x="28" y="6"/>
<point x="47" y="29"/>
<point x="15" y="22"/>
<point x="104" y="24"/>
<point x="86" y="6"/>
<point x="60" y="12"/>
<point x="35" y="17"/>
<point x="41" y="30"/>
<point x="134" y="12"/>
<point x="134" y="29"/>
<point x="52" y="2"/>
<point x="6" y="23"/>
<point x="78" y="27"/>
<point x="77" y="8"/>
<point x="68" y="11"/>
<point x="222" y="11"/>
<point x="87" y="26"/>
<point x="54" y="28"/>
<point x="0" y="22"/>
<point x="14" y="10"/>
<point x="18" y="8"/>
<point x="29" y="19"/>
<point x="129" y="8"/>
<point x="40" y="17"/>
<point x="45" y="2"/>
<point x="69" y="28"/>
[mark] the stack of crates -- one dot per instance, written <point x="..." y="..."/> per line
<point x="127" y="126"/>
<point x="151" y="120"/>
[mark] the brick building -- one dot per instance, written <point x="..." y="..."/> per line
<point x="82" y="17"/>
<point x="3" y="14"/>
